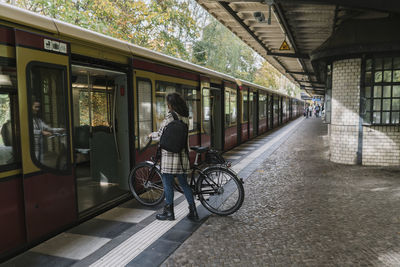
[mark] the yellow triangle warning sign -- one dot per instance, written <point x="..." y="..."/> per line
<point x="284" y="46"/>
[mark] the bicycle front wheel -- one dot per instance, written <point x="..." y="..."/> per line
<point x="220" y="190"/>
<point x="146" y="185"/>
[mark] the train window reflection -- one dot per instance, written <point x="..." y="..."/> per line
<point x="8" y="141"/>
<point x="206" y="111"/>
<point x="189" y="93"/>
<point x="262" y="111"/>
<point x="8" y="77"/>
<point x="144" y="111"/>
<point x="227" y="109"/>
<point x="230" y="107"/>
<point x="48" y="115"/>
<point x="192" y="98"/>
<point x="245" y="106"/>
<point x="233" y="106"/>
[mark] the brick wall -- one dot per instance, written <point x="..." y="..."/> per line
<point x="381" y="145"/>
<point x="345" y="111"/>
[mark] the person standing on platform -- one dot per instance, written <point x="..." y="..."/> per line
<point x="305" y="112"/>
<point x="175" y="164"/>
<point x="317" y="111"/>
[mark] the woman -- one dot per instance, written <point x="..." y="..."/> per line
<point x="173" y="164"/>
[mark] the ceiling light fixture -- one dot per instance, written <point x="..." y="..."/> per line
<point x="269" y="3"/>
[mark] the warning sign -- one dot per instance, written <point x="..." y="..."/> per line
<point x="284" y="46"/>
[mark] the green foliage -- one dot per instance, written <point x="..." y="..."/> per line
<point x="172" y="27"/>
<point x="163" y="25"/>
<point x="267" y="76"/>
<point x="221" y="50"/>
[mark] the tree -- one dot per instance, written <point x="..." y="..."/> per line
<point x="162" y="25"/>
<point x="172" y="27"/>
<point x="221" y="50"/>
<point x="267" y="76"/>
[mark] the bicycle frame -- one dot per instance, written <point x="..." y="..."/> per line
<point x="196" y="168"/>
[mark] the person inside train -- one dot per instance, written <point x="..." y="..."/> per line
<point x="41" y="129"/>
<point x="175" y="164"/>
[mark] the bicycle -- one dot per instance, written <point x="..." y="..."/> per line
<point x="216" y="186"/>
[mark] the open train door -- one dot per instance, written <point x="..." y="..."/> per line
<point x="212" y="114"/>
<point x="43" y="94"/>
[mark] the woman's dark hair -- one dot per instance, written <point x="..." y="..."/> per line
<point x="177" y="103"/>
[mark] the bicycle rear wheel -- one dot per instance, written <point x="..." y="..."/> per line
<point x="146" y="185"/>
<point x="220" y="190"/>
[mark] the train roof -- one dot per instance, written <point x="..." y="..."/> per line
<point x="63" y="29"/>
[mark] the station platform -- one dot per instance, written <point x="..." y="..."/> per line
<point x="299" y="209"/>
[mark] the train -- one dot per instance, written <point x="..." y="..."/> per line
<point x="76" y="107"/>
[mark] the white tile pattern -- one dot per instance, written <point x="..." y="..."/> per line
<point x="126" y="215"/>
<point x="71" y="246"/>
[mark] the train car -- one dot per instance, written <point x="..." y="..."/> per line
<point x="76" y="107"/>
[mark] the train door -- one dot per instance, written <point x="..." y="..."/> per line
<point x="275" y="110"/>
<point x="12" y="221"/>
<point x="270" y="112"/>
<point x="101" y="139"/>
<point x="244" y="93"/>
<point x="255" y="114"/>
<point x="252" y="114"/>
<point x="43" y="95"/>
<point x="216" y="118"/>
<point x="212" y="118"/>
<point x="262" y="113"/>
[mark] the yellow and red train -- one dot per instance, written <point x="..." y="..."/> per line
<point x="102" y="96"/>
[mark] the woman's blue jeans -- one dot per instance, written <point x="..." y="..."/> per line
<point x="169" y="189"/>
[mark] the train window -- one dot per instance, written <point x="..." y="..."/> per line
<point x="245" y="106"/>
<point x="262" y="106"/>
<point x="269" y="105"/>
<point x="284" y="108"/>
<point x="251" y="107"/>
<point x="227" y="109"/>
<point x="233" y="107"/>
<point x="48" y="113"/>
<point x="189" y="93"/>
<point x="162" y="90"/>
<point x="276" y="108"/>
<point x="230" y="107"/>
<point x="206" y="111"/>
<point x="9" y="149"/>
<point x="192" y="98"/>
<point x="93" y="95"/>
<point x="144" y="110"/>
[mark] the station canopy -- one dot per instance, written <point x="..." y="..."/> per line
<point x="286" y="32"/>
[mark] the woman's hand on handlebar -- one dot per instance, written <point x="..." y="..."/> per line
<point x="46" y="133"/>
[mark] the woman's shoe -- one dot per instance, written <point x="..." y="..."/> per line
<point x="168" y="214"/>
<point x="193" y="216"/>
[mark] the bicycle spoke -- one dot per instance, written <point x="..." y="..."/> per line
<point x="220" y="191"/>
<point x="146" y="184"/>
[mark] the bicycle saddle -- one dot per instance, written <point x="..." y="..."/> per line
<point x="199" y="149"/>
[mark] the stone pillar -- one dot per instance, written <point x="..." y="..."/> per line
<point x="345" y="110"/>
